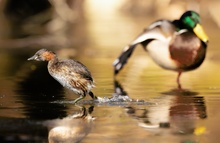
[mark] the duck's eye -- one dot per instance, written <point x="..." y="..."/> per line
<point x="195" y="18"/>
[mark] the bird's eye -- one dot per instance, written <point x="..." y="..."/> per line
<point x="36" y="57"/>
<point x="195" y="18"/>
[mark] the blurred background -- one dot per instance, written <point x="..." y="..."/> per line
<point x="64" y="24"/>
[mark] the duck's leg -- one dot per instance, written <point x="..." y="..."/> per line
<point x="178" y="80"/>
<point x="92" y="95"/>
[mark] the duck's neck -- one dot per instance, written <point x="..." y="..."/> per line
<point x="179" y="25"/>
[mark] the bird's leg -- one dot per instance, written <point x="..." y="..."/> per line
<point x="90" y="109"/>
<point x="80" y="98"/>
<point x="92" y="95"/>
<point x="178" y="80"/>
<point x="82" y="114"/>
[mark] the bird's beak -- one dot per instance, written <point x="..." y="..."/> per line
<point x="32" y="58"/>
<point x="198" y="30"/>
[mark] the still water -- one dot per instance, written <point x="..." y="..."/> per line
<point x="36" y="108"/>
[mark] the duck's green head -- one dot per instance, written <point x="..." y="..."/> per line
<point x="191" y="21"/>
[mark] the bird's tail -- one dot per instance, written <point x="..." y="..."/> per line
<point x="123" y="58"/>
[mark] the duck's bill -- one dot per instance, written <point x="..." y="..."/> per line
<point x="198" y="30"/>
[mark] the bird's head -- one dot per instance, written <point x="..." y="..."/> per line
<point x="43" y="55"/>
<point x="190" y="20"/>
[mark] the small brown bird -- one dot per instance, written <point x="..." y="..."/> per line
<point x="178" y="45"/>
<point x="69" y="73"/>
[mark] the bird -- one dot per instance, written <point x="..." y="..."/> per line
<point x="179" y="45"/>
<point x="69" y="73"/>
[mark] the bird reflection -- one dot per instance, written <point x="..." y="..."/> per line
<point x="71" y="129"/>
<point x="37" y="94"/>
<point x="176" y="110"/>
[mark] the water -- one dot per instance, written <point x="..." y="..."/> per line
<point x="36" y="108"/>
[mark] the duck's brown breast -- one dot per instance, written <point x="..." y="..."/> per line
<point x="187" y="50"/>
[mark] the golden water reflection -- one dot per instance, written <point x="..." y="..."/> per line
<point x="177" y="110"/>
<point x="71" y="129"/>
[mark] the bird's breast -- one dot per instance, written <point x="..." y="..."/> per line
<point x="187" y="50"/>
<point x="159" y="52"/>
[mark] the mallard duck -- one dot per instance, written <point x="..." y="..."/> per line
<point x="69" y="73"/>
<point x="178" y="45"/>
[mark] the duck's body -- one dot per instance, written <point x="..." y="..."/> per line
<point x="173" y="45"/>
<point x="69" y="73"/>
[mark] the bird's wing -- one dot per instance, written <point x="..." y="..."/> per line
<point x="76" y="68"/>
<point x="157" y="30"/>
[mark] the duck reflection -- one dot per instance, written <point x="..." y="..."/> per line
<point x="72" y="128"/>
<point x="176" y="110"/>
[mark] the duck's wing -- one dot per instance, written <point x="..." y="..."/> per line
<point x="159" y="30"/>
